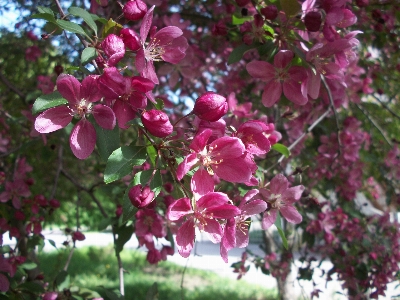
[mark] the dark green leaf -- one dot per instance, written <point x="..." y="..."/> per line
<point x="111" y="295"/>
<point x="121" y="161"/>
<point x="124" y="234"/>
<point x="237" y="53"/>
<point x="44" y="16"/>
<point x="103" y="224"/>
<point x="278" y="224"/>
<point x="71" y="27"/>
<point x="88" y="54"/>
<point x="52" y="243"/>
<point x="31" y="287"/>
<point x="128" y="210"/>
<point x="144" y="177"/>
<point x="62" y="280"/>
<point x="87" y="17"/>
<point x="160" y="104"/>
<point x="282" y="149"/>
<point x="48" y="101"/>
<point x="152" y="293"/>
<point x="45" y="10"/>
<point x="98" y="19"/>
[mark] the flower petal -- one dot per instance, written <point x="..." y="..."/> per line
<point x="185" y="238"/>
<point x="104" y="116"/>
<point x="178" y="209"/>
<point x="69" y="87"/>
<point x="187" y="163"/>
<point x="82" y="139"/>
<point x="202" y="183"/>
<point x="261" y="69"/>
<point x="90" y="89"/>
<point x="269" y="219"/>
<point x="291" y="214"/>
<point x="53" y="119"/>
<point x="272" y="93"/>
<point x="213" y="230"/>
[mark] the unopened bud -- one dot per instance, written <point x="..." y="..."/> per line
<point x="114" y="48"/>
<point x="270" y="12"/>
<point x="242" y="3"/>
<point x="131" y="39"/>
<point x="313" y="21"/>
<point x="157" y="123"/>
<point x="210" y="107"/>
<point x="78" y="236"/>
<point x="134" y="10"/>
<point x="140" y="196"/>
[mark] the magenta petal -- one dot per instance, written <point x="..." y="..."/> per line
<point x="140" y="61"/>
<point x="213" y="230"/>
<point x="233" y="170"/>
<point x="69" y="87"/>
<point x="279" y="184"/>
<point x="261" y="69"/>
<point x="166" y="35"/>
<point x="272" y="93"/>
<point x="291" y="214"/>
<point x="90" y="89"/>
<point x="242" y="238"/>
<point x="178" y="209"/>
<point x="254" y="207"/>
<point x="200" y="140"/>
<point x="185" y="238"/>
<point x="202" y="183"/>
<point x="53" y="119"/>
<point x="104" y="116"/>
<point x="150" y="72"/>
<point x="269" y="219"/>
<point x="141" y="84"/>
<point x="4" y="283"/>
<point x="187" y="163"/>
<point x="212" y="199"/>
<point x="228" y="240"/>
<point x="226" y="147"/>
<point x="294" y="92"/>
<point x="146" y="24"/>
<point x="292" y="194"/>
<point x="124" y="113"/>
<point x="82" y="139"/>
<point x="283" y="58"/>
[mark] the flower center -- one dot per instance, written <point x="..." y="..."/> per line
<point x="276" y="201"/>
<point x="154" y="51"/>
<point x="82" y="109"/>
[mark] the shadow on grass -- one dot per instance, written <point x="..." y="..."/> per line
<point x="93" y="267"/>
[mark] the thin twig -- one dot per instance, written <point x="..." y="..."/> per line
<point x="375" y="124"/>
<point x="120" y="267"/>
<point x="11" y="86"/>
<point x="69" y="258"/>
<point x="60" y="153"/>
<point x="387" y="107"/>
<point x="182" y="279"/>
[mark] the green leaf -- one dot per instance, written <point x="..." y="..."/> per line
<point x="152" y="293"/>
<point x="124" y="234"/>
<point x="278" y="224"/>
<point x="44" y="16"/>
<point x="62" y="280"/>
<point x="88" y="54"/>
<point x="290" y="7"/>
<point x="28" y="266"/>
<point x="106" y="140"/>
<point x="241" y="20"/>
<point x="87" y="17"/>
<point x="152" y="153"/>
<point x="160" y="104"/>
<point x="282" y="149"/>
<point x="52" y="243"/>
<point x="45" y="10"/>
<point x="111" y="27"/>
<point x="48" y="101"/>
<point x="128" y="210"/>
<point x="32" y="287"/>
<point x="121" y="161"/>
<point x="71" y="27"/>
<point x="103" y="224"/>
<point x="267" y="49"/>
<point x="237" y="53"/>
<point x="99" y="19"/>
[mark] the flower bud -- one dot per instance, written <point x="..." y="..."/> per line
<point x="54" y="203"/>
<point x="131" y="39"/>
<point x="313" y="21"/>
<point x="157" y="123"/>
<point x="134" y="10"/>
<point x="270" y="12"/>
<point x="114" y="48"/>
<point x="242" y="3"/>
<point x="78" y="236"/>
<point x="210" y="107"/>
<point x="140" y="196"/>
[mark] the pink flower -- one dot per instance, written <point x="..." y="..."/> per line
<point x="224" y="157"/>
<point x="203" y="215"/>
<point x="167" y="44"/>
<point x="14" y="191"/>
<point x="280" y="198"/>
<point x="140" y="196"/>
<point x="149" y="223"/>
<point x="32" y="53"/>
<point x="134" y="10"/>
<point x="80" y="99"/>
<point x="127" y="94"/>
<point x="114" y="48"/>
<point x="281" y="77"/>
<point x="236" y="229"/>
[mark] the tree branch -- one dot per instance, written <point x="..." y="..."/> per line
<point x="11" y="86"/>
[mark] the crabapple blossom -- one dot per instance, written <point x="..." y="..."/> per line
<point x="210" y="107"/>
<point x="157" y="123"/>
<point x="167" y="44"/>
<point x="280" y="199"/>
<point x="140" y="196"/>
<point x="114" y="48"/>
<point x="134" y="10"/>
<point x="80" y="97"/>
<point x="280" y="77"/>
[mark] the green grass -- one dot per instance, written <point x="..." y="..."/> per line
<point x="93" y="267"/>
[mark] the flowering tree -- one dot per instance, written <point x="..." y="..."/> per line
<point x="169" y="117"/>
